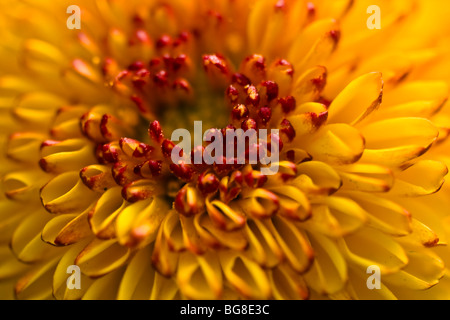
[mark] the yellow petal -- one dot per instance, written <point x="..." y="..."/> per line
<point x="164" y="289"/>
<point x="369" y="246"/>
<point x="259" y="203"/>
<point x="423" y="271"/>
<point x="173" y="231"/>
<point x="413" y="137"/>
<point x="257" y="22"/>
<point x="10" y="265"/>
<point x="294" y="204"/>
<point x="357" y="278"/>
<point x="24" y="146"/>
<point x="309" y="85"/>
<point x="101" y="257"/>
<point x="138" y="224"/>
<point x="215" y="236"/>
<point x="164" y="258"/>
<point x="384" y="214"/>
<point x="421" y="109"/>
<point x="366" y="177"/>
<point x="336" y="144"/>
<point x="396" y="157"/>
<point x="293" y="243"/>
<point x="26" y="242"/>
<point x="315" y="177"/>
<point x="271" y="33"/>
<point x="66" y="229"/>
<point x="66" y="193"/>
<point x="22" y="185"/>
<point x="423" y="178"/>
<point x="44" y="52"/>
<point x="66" y="124"/>
<point x="287" y="284"/>
<point x="315" y="44"/>
<point x="103" y="216"/>
<point x="247" y="277"/>
<point x="328" y="274"/>
<point x="394" y="66"/>
<point x="72" y="154"/>
<point x="434" y="91"/>
<point x="437" y="292"/>
<point x="138" y="280"/>
<point x="359" y="99"/>
<point x="37" y="283"/>
<point x="224" y="216"/>
<point x="262" y="244"/>
<point x="398" y="132"/>
<point x="200" y="277"/>
<point x="336" y="216"/>
<point x="191" y="238"/>
<point x="8" y="221"/>
<point x="37" y="108"/>
<point x="104" y="288"/>
<point x="97" y="178"/>
<point x="60" y="275"/>
<point x="420" y="235"/>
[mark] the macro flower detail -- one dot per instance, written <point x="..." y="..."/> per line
<point x="88" y="177"/>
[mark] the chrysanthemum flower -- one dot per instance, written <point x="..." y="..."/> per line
<point x="87" y="178"/>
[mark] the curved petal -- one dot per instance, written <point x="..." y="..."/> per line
<point x="62" y="156"/>
<point x="60" y="275"/>
<point x="309" y="85"/>
<point x="287" y="284"/>
<point x="200" y="277"/>
<point x="397" y="132"/>
<point x="366" y="177"/>
<point x="24" y="146"/>
<point x="246" y="276"/>
<point x="26" y="242"/>
<point x="294" y="203"/>
<point x="369" y="246"/>
<point x="357" y="286"/>
<point x="318" y="178"/>
<point x="22" y="185"/>
<point x="328" y="273"/>
<point x="138" y="224"/>
<point x="37" y="106"/>
<point x="37" y="283"/>
<point x="224" y="216"/>
<point x="336" y="144"/>
<point x="216" y="237"/>
<point x="433" y="91"/>
<point x="101" y="257"/>
<point x="293" y="242"/>
<point x="262" y="244"/>
<point x="66" y="193"/>
<point x="164" y="257"/>
<point x="103" y="216"/>
<point x="10" y="265"/>
<point x="336" y="217"/>
<point x="359" y="99"/>
<point x="104" y="288"/>
<point x="423" y="271"/>
<point x="66" y="229"/>
<point x="315" y="44"/>
<point x="384" y="214"/>
<point x="423" y="178"/>
<point x="259" y="203"/>
<point x="141" y="281"/>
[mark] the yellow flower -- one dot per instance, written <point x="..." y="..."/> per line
<point x="87" y="178"/>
